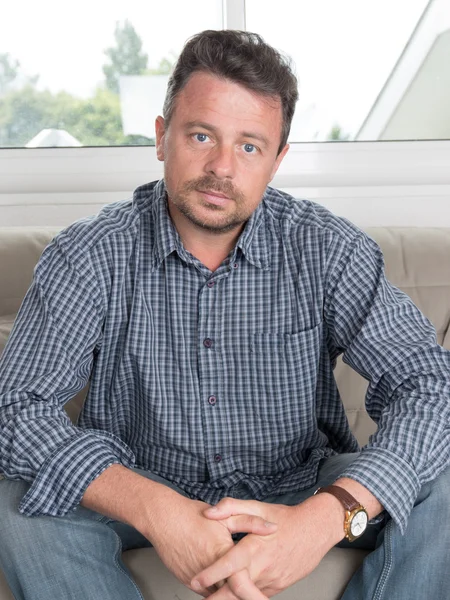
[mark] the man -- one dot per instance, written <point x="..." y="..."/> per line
<point x="209" y="313"/>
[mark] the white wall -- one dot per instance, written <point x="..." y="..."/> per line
<point x="378" y="183"/>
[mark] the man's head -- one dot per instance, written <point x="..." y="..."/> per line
<point x="227" y="116"/>
<point x="241" y="57"/>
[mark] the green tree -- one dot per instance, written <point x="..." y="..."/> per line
<point x="9" y="71"/>
<point x="126" y="57"/>
<point x="94" y="121"/>
<point x="337" y="135"/>
<point x="23" y="113"/>
<point x="98" y="122"/>
<point x="164" y="66"/>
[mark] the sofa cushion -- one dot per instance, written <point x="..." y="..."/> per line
<point x="327" y="582"/>
<point x="417" y="261"/>
<point x="6" y="323"/>
<point x="20" y="249"/>
<point x="5" y="592"/>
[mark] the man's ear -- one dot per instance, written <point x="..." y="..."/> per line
<point x="160" y="129"/>
<point x="278" y="160"/>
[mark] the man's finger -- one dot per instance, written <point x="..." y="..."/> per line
<point x="224" y="593"/>
<point x="234" y="561"/>
<point x="249" y="524"/>
<point x="239" y="587"/>
<point x="230" y="506"/>
<point x="244" y="588"/>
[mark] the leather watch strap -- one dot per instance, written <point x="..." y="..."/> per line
<point x="347" y="500"/>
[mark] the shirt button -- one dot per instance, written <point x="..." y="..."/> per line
<point x="212" y="400"/>
<point x="235" y="266"/>
<point x="207" y="342"/>
<point x="211" y="284"/>
<point x="217" y="458"/>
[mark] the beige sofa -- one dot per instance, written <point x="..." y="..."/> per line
<point x="417" y="260"/>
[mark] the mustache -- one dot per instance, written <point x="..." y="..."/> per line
<point x="209" y="183"/>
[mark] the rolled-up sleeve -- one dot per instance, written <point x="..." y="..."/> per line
<point x="388" y="341"/>
<point x="47" y="360"/>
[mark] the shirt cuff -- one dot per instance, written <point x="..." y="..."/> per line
<point x="63" y="478"/>
<point x="389" y="478"/>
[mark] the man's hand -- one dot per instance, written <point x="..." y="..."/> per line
<point x="188" y="542"/>
<point x="259" y="567"/>
<point x="184" y="538"/>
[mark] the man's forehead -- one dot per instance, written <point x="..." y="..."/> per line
<point x="215" y="84"/>
<point x="218" y="96"/>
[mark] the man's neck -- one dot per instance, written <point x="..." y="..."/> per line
<point x="209" y="252"/>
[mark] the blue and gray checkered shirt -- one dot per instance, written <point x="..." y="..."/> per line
<point x="221" y="382"/>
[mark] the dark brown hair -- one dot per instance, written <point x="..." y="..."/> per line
<point x="241" y="57"/>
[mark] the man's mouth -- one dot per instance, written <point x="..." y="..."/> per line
<point x="214" y="193"/>
<point x="214" y="197"/>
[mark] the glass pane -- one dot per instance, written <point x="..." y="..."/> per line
<point x="90" y="73"/>
<point x="368" y="70"/>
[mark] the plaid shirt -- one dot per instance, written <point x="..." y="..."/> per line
<point x="221" y="382"/>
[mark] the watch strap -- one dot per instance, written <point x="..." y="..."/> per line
<point x="346" y="499"/>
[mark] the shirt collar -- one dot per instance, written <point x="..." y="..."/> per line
<point x="253" y="241"/>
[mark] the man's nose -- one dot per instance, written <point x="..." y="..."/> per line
<point x="221" y="162"/>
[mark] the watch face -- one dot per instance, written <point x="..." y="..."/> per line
<point x="359" y="523"/>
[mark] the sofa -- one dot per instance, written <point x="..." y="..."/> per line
<point x="417" y="261"/>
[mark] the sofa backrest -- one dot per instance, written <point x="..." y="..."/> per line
<point x="417" y="261"/>
<point x="20" y="249"/>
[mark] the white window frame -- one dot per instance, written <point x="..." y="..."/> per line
<point x="357" y="179"/>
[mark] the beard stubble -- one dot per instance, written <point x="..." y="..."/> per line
<point x="208" y="183"/>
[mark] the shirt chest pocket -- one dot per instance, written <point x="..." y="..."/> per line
<point x="283" y="371"/>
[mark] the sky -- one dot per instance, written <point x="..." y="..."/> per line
<point x="343" y="50"/>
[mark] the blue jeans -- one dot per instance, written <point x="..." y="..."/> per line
<point x="78" y="557"/>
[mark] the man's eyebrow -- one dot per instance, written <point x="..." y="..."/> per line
<point x="256" y="136"/>
<point x="247" y="134"/>
<point x="201" y="124"/>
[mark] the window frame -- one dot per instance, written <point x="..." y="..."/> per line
<point x="307" y="165"/>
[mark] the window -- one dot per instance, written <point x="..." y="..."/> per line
<point x="90" y="73"/>
<point x="383" y="182"/>
<point x="372" y="70"/>
<point x="95" y="74"/>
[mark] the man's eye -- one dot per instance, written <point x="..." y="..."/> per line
<point x="250" y="148"/>
<point x="201" y="137"/>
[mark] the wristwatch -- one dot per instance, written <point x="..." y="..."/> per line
<point x="356" y="518"/>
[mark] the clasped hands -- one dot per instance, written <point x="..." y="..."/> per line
<point x="264" y="563"/>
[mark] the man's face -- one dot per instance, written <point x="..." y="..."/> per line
<point x="219" y="152"/>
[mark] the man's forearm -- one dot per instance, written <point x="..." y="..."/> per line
<point x="122" y="494"/>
